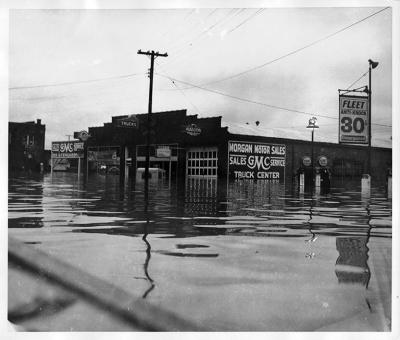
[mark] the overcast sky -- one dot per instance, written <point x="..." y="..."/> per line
<point x="290" y="61"/>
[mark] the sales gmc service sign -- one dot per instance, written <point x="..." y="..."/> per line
<point x="256" y="161"/>
<point x="353" y="119"/>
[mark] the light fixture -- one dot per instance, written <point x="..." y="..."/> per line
<point x="373" y="64"/>
<point x="312" y="123"/>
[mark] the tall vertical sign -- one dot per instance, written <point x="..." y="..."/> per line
<point x="353" y="119"/>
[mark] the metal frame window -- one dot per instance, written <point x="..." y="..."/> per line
<point x="202" y="162"/>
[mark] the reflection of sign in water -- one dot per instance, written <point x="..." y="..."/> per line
<point x="61" y="164"/>
<point x="353" y="119"/>
<point x="67" y="149"/>
<point x="248" y="160"/>
<point x="351" y="265"/>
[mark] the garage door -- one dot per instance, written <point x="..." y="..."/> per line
<point x="202" y="162"/>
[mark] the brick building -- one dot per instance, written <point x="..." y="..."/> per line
<point x="190" y="147"/>
<point x="26" y="145"/>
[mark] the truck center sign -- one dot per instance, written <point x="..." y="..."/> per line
<point x="353" y="119"/>
<point x="67" y="149"/>
<point x="258" y="161"/>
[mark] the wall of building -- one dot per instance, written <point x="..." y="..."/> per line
<point x="26" y="145"/>
<point x="343" y="160"/>
<point x="191" y="132"/>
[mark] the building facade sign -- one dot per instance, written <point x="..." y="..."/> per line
<point x="163" y="151"/>
<point x="82" y="135"/>
<point x="130" y="122"/>
<point x="69" y="149"/>
<point x="353" y="119"/>
<point x="256" y="161"/>
<point x="306" y="160"/>
<point x="323" y="161"/>
<point x="192" y="130"/>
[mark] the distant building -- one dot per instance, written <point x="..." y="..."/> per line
<point x="26" y="145"/>
<point x="187" y="146"/>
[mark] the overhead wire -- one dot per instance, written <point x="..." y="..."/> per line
<point x="256" y="102"/>
<point x="246" y="20"/>
<point x="186" y="47"/>
<point x="357" y="80"/>
<point x="75" y="82"/>
<point x="187" y="35"/>
<point x="294" y="51"/>
<point x="244" y="99"/>
<point x="182" y="92"/>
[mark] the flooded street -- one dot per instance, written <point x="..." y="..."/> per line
<point x="239" y="256"/>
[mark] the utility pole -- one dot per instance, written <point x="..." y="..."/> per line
<point x="372" y="65"/>
<point x="152" y="55"/>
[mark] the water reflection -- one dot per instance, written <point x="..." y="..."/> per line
<point x="220" y="232"/>
<point x="25" y="201"/>
<point x="146" y="267"/>
<point x="352" y="263"/>
<point x="201" y="196"/>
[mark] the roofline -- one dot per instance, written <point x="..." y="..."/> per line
<point x="303" y="141"/>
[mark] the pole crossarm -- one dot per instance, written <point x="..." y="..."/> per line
<point x="152" y="53"/>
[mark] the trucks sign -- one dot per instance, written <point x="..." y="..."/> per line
<point x="67" y="149"/>
<point x="353" y="119"/>
<point x="256" y="161"/>
<point x="130" y="122"/>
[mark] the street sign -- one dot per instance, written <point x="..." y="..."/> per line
<point x="130" y="122"/>
<point x="353" y="119"/>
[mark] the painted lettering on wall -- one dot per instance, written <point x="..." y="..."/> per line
<point x="258" y="161"/>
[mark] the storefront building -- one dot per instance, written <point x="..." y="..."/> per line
<point x="188" y="147"/>
<point x="26" y="145"/>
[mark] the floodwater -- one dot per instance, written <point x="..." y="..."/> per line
<point x="239" y="256"/>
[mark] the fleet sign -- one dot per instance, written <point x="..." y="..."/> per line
<point x="353" y="119"/>
<point x="256" y="161"/>
<point x="68" y="149"/>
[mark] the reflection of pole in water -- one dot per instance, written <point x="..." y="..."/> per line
<point x="313" y="236"/>
<point x="148" y="247"/>
<point x="146" y="266"/>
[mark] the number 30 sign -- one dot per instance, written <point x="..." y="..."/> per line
<point x="353" y="119"/>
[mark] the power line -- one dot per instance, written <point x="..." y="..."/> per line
<point x="244" y="21"/>
<point x="75" y="82"/>
<point x="357" y="80"/>
<point x="245" y="99"/>
<point x="181" y="51"/>
<point x="182" y="92"/>
<point x="295" y="51"/>
<point x="255" y="102"/>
